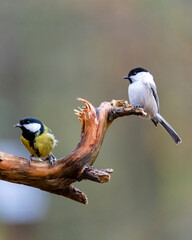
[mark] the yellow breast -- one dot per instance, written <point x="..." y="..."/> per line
<point x="45" y="144"/>
<point x="27" y="145"/>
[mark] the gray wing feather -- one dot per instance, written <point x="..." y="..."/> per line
<point x="154" y="92"/>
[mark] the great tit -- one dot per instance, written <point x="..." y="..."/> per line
<point x="142" y="93"/>
<point x="38" y="139"/>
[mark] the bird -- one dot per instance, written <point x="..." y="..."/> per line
<point x="142" y="92"/>
<point x="38" y="139"/>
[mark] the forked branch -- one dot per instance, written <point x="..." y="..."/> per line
<point x="76" y="166"/>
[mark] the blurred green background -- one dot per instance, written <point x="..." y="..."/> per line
<point x="52" y="52"/>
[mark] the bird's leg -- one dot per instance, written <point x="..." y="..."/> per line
<point x="29" y="159"/>
<point x="52" y="158"/>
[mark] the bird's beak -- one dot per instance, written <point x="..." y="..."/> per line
<point x="17" y="125"/>
<point x="126" y="77"/>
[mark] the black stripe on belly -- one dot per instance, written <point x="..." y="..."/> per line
<point x="37" y="152"/>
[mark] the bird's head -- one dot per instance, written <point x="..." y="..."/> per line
<point x="30" y="125"/>
<point x="139" y="74"/>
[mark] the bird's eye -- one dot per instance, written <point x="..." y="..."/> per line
<point x="134" y="73"/>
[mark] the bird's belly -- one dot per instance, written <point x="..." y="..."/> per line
<point x="44" y="144"/>
<point x="141" y="96"/>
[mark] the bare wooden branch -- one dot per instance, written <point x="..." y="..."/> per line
<point x="76" y="166"/>
<point x="96" y="174"/>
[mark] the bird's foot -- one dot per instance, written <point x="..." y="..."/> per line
<point x="138" y="106"/>
<point x="52" y="158"/>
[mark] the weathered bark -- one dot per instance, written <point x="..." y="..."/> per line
<point x="76" y="166"/>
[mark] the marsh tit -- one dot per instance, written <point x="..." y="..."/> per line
<point x="38" y="139"/>
<point x="142" y="93"/>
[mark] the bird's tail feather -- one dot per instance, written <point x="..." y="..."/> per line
<point x="168" y="128"/>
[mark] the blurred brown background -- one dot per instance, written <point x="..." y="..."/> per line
<point x="52" y="52"/>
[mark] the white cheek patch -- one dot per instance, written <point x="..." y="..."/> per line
<point x="32" y="127"/>
<point x="145" y="76"/>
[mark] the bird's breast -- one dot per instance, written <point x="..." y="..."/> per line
<point x="28" y="145"/>
<point x="141" y="95"/>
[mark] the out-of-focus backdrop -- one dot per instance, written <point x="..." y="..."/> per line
<point x="52" y="52"/>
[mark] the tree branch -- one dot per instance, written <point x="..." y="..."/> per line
<point x="76" y="166"/>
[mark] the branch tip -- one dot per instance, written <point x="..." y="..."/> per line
<point x="96" y="174"/>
